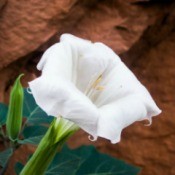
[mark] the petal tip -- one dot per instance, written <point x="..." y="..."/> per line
<point x="92" y="138"/>
<point x="116" y="140"/>
<point x="157" y="112"/>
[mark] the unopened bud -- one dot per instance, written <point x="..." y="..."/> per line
<point x="14" y="116"/>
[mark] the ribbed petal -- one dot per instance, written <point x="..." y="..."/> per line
<point x="123" y="101"/>
<point x="93" y="60"/>
<point x="59" y="97"/>
<point x="120" y="114"/>
<point x="57" y="61"/>
<point x="55" y="93"/>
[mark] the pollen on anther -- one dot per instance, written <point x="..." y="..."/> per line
<point x="97" y="81"/>
<point x="100" y="88"/>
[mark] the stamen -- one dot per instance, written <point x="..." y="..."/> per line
<point x="89" y="86"/>
<point x="97" y="81"/>
<point x="100" y="88"/>
<point x="94" y="86"/>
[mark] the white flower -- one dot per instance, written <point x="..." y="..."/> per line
<point x="88" y="84"/>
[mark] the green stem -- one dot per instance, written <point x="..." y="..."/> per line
<point x="38" y="164"/>
<point x="59" y="131"/>
<point x="3" y="170"/>
<point x="2" y="132"/>
<point x="14" y="146"/>
<point x="4" y="137"/>
<point x="26" y="121"/>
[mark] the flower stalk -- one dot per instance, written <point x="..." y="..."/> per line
<point x="59" y="131"/>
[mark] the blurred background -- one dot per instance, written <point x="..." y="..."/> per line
<point x="142" y="32"/>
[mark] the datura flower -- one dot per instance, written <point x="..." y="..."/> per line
<point x="88" y="84"/>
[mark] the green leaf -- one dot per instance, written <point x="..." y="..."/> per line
<point x="3" y="113"/>
<point x="18" y="167"/>
<point x="64" y="163"/>
<point x="33" y="134"/>
<point x="4" y="156"/>
<point x="29" y="103"/>
<point x="33" y="112"/>
<point x="86" y="160"/>
<point x="91" y="162"/>
<point x="101" y="164"/>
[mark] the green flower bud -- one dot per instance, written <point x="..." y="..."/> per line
<point x="14" y="116"/>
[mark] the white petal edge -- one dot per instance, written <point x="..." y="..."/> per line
<point x="120" y="114"/>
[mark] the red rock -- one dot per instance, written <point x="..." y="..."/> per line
<point x="27" y="25"/>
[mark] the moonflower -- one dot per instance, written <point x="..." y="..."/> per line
<point x="88" y="84"/>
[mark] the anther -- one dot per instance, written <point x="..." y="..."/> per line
<point x="97" y="81"/>
<point x="100" y="88"/>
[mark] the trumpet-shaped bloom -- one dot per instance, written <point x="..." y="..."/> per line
<point x="88" y="84"/>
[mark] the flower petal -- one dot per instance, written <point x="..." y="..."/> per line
<point x="93" y="59"/>
<point x="119" y="83"/>
<point x="59" y="97"/>
<point x="57" y="60"/>
<point x="123" y="101"/>
<point x="120" y="114"/>
<point x="55" y="92"/>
